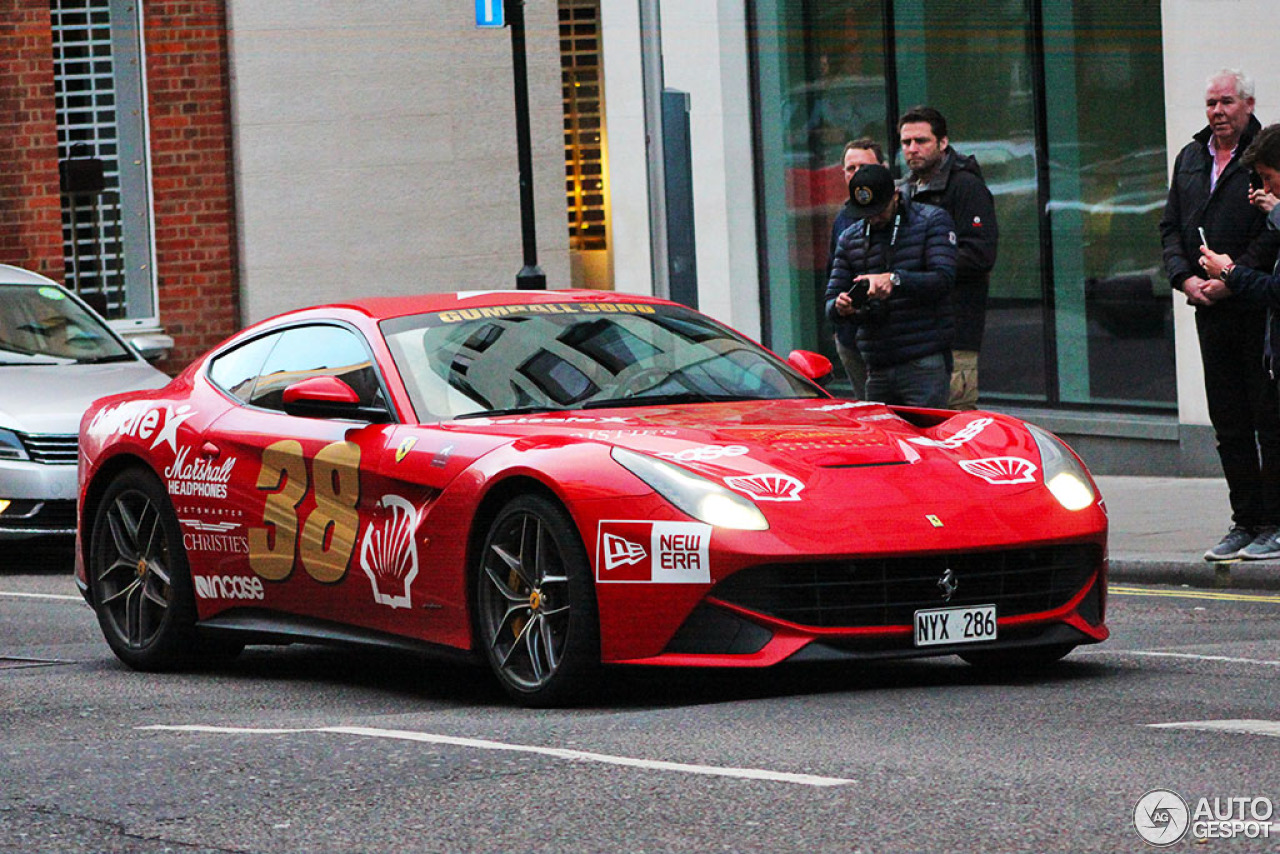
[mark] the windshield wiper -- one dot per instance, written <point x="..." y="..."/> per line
<point x="659" y="399"/>
<point x="513" y="410"/>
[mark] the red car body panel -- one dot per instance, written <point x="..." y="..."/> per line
<point x="305" y="516"/>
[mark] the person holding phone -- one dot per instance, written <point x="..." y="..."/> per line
<point x="857" y="152"/>
<point x="891" y="274"/>
<point x="1209" y="194"/>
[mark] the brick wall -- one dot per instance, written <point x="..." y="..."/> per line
<point x="191" y="167"/>
<point x="30" y="215"/>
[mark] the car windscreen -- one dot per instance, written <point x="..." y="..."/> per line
<point x="579" y="355"/>
<point x="44" y="325"/>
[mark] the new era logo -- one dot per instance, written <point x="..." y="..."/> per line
<point x="619" y="552"/>
<point x="653" y="552"/>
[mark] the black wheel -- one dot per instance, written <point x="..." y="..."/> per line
<point x="536" y="604"/>
<point x="1016" y="660"/>
<point x="139" y="575"/>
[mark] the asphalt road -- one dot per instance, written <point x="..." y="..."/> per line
<point x="311" y="749"/>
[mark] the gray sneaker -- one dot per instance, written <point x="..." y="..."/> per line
<point x="1231" y="546"/>
<point x="1265" y="546"/>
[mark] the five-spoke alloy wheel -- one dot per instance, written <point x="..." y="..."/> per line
<point x="138" y="572"/>
<point x="536" y="603"/>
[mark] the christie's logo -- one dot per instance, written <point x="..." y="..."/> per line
<point x="657" y="552"/>
<point x="201" y="477"/>
<point x="229" y="587"/>
<point x="213" y="537"/>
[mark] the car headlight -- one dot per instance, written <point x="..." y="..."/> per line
<point x="1063" y="474"/>
<point x="11" y="446"/>
<point x="702" y="499"/>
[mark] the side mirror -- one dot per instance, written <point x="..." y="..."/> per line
<point x="815" y="366"/>
<point x="329" y="397"/>
<point x="151" y="347"/>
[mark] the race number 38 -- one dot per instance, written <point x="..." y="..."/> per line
<point x="328" y="534"/>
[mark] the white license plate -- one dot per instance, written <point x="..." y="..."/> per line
<point x="955" y="625"/>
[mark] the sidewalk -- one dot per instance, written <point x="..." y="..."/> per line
<point x="1161" y="527"/>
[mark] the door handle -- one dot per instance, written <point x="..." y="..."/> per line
<point x="210" y="451"/>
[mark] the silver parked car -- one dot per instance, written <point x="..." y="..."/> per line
<point x="56" y="357"/>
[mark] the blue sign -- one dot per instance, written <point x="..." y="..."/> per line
<point x="489" y="13"/>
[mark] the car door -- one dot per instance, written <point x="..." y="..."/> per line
<point x="304" y="483"/>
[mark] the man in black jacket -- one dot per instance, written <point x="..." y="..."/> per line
<point x="890" y="276"/>
<point x="941" y="176"/>
<point x="1209" y="196"/>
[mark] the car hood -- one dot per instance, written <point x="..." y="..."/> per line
<point x="800" y="439"/>
<point x="49" y="399"/>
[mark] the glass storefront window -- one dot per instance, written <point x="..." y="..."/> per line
<point x="1079" y="310"/>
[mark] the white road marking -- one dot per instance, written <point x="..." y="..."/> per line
<point x="1184" y="655"/>
<point x="43" y="596"/>
<point x="559" y="753"/>
<point x="1246" y="726"/>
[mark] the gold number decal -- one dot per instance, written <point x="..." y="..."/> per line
<point x="272" y="546"/>
<point x="329" y="532"/>
<point x="329" y="535"/>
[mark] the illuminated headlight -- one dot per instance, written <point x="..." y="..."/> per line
<point x="1063" y="474"/>
<point x="700" y="498"/>
<point x="11" y="447"/>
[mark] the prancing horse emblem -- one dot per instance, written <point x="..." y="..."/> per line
<point x="948" y="584"/>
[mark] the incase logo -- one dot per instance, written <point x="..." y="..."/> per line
<point x="229" y="587"/>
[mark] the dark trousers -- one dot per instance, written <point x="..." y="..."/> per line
<point x="1244" y="409"/>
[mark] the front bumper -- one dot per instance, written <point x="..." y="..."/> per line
<point x="41" y="499"/>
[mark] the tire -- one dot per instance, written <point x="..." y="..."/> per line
<point x="1015" y="661"/>
<point x="139" y="575"/>
<point x="536" y="605"/>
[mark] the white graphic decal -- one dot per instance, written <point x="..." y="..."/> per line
<point x="963" y="436"/>
<point x="705" y="453"/>
<point x="173" y="418"/>
<point x="229" y="587"/>
<point x="619" y="552"/>
<point x="212" y="527"/>
<point x="461" y="295"/>
<point x="1001" y="470"/>
<point x="127" y="419"/>
<point x="202" y="477"/>
<point x="909" y="453"/>
<point x="441" y="458"/>
<point x="654" y="552"/>
<point x="836" y="407"/>
<point x="568" y="419"/>
<point x="767" y="487"/>
<point x="388" y="554"/>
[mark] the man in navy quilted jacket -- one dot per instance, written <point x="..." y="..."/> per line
<point x="891" y="274"/>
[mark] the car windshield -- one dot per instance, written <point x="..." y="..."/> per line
<point x="44" y="325"/>
<point x="579" y="355"/>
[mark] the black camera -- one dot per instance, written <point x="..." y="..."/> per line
<point x="864" y="307"/>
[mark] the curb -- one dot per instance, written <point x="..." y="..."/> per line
<point x="1227" y="575"/>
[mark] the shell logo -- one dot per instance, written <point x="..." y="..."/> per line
<point x="388" y="554"/>
<point x="1001" y="470"/>
<point x="767" y="487"/>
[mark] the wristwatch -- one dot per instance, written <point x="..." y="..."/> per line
<point x="895" y="279"/>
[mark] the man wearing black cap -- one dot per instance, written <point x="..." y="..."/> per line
<point x="891" y="274"/>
